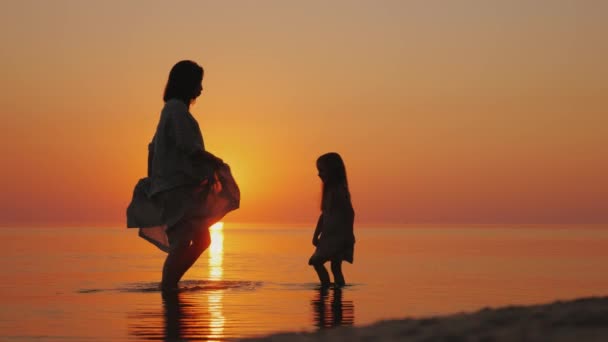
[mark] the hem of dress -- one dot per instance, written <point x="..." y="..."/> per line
<point x="154" y="242"/>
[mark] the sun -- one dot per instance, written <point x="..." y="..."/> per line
<point x="218" y="226"/>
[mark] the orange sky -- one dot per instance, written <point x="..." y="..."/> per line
<point x="444" y="112"/>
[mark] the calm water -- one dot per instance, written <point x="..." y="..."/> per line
<point x="100" y="284"/>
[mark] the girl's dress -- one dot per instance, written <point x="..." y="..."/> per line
<point x="337" y="240"/>
<point x="184" y="183"/>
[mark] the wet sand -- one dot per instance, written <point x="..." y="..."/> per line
<point x="578" y="320"/>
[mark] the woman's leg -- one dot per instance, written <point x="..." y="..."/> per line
<point x="171" y="269"/>
<point x="200" y="243"/>
<point x="184" y="255"/>
<point x="336" y="269"/>
<point x="322" y="273"/>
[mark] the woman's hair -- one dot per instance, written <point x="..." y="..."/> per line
<point x="335" y="191"/>
<point x="184" y="79"/>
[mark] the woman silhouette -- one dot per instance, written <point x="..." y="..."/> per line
<point x="187" y="188"/>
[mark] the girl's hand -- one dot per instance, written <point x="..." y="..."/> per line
<point x="315" y="241"/>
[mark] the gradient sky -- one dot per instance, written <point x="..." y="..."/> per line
<point x="444" y="111"/>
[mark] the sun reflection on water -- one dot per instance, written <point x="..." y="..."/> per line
<point x="216" y="319"/>
<point x="216" y="251"/>
<point x="216" y="272"/>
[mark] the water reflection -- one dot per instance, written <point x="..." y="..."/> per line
<point x="196" y="313"/>
<point x="216" y="252"/>
<point x="216" y="272"/>
<point x="182" y="318"/>
<point x="330" y="310"/>
<point x="217" y="320"/>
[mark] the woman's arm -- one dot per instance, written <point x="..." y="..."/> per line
<point x="187" y="133"/>
<point x="150" y="156"/>
<point x="206" y="156"/>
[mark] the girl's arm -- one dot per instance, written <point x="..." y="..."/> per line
<point x="318" y="230"/>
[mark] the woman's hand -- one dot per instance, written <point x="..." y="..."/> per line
<point x="202" y="156"/>
<point x="315" y="240"/>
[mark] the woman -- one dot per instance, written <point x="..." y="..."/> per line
<point x="187" y="188"/>
<point x="333" y="237"/>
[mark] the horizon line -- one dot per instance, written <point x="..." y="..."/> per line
<point x="275" y="225"/>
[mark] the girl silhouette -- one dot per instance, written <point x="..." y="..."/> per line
<point x="333" y="237"/>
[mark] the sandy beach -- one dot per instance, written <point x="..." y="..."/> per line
<point x="584" y="319"/>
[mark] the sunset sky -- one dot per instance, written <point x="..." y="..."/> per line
<point x="444" y="111"/>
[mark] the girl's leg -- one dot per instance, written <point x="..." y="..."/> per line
<point x="336" y="269"/>
<point x="322" y="273"/>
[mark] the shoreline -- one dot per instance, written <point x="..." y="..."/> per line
<point x="583" y="319"/>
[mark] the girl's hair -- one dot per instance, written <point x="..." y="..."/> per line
<point x="184" y="79"/>
<point x="335" y="193"/>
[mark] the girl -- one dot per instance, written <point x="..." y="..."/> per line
<point x="187" y="188"/>
<point x="333" y="238"/>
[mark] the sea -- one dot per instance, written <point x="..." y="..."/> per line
<point x="101" y="283"/>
